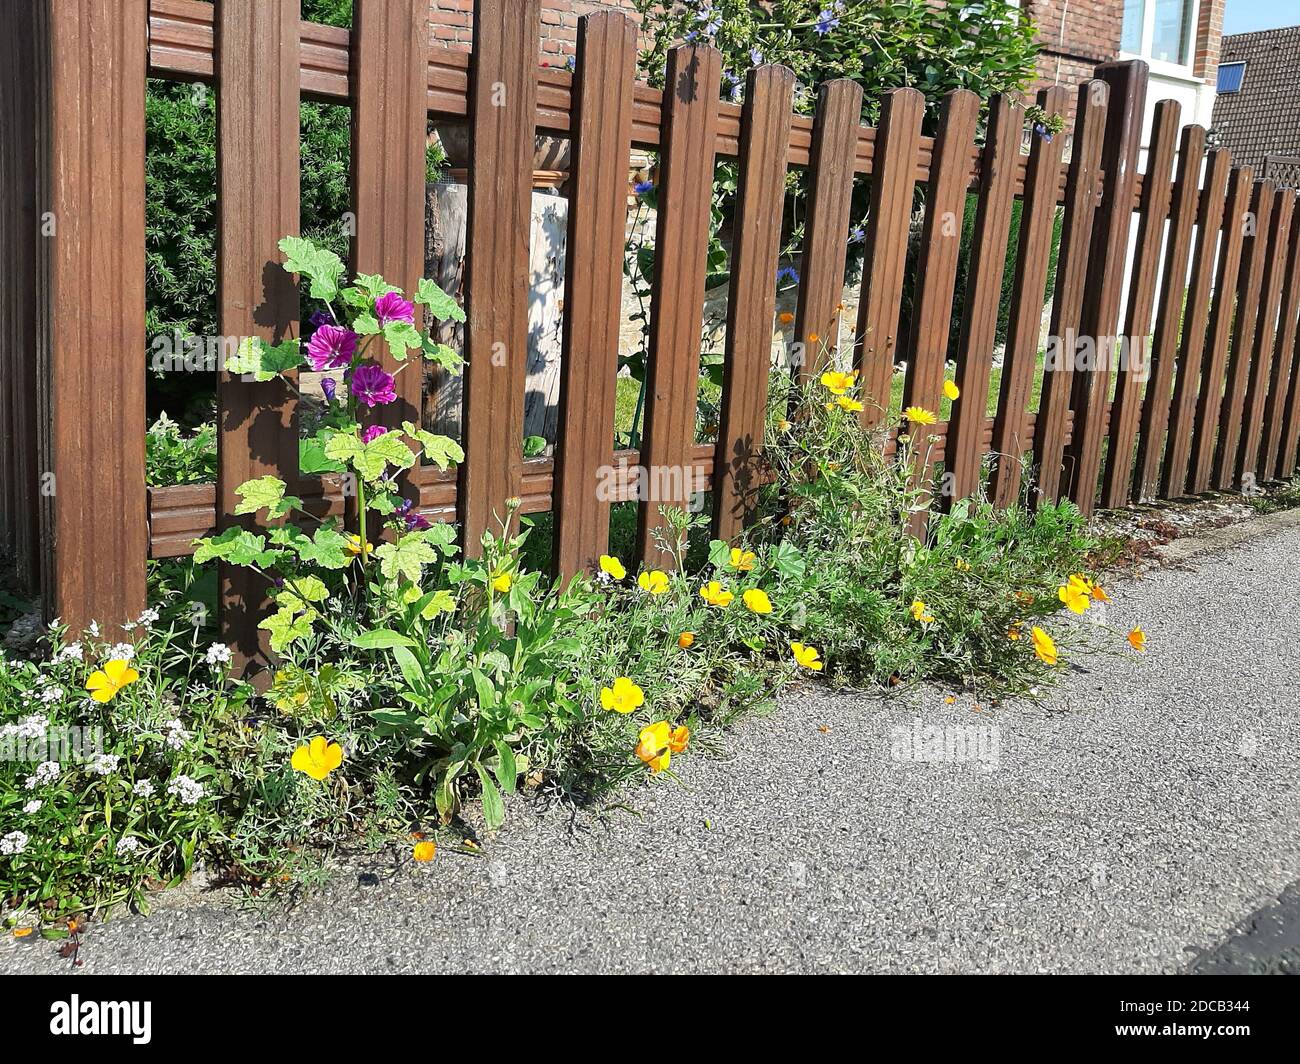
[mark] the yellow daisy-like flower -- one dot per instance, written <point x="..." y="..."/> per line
<point x="757" y="601"/>
<point x="106" y="682"/>
<point x="612" y="566"/>
<point x="424" y="851"/>
<point x="715" y="594"/>
<point x="1137" y="639"/>
<point x="807" y="657"/>
<point x="851" y="405"/>
<point x="951" y="390"/>
<point x="838" y="383"/>
<point x="317" y="758"/>
<point x="655" y="582"/>
<point x="784" y="426"/>
<point x="919" y="612"/>
<point x="1044" y="646"/>
<point x="624" y="697"/>
<point x="919" y="415"/>
<point x="502" y="583"/>
<point x="686" y="640"/>
<point x="743" y="560"/>
<point x="355" y="547"/>
<point x="1075" y="596"/>
<point x="655" y="746"/>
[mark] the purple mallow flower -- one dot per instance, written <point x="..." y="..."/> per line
<point x="319" y="318"/>
<point x="331" y="347"/>
<point x="393" y="308"/>
<point x="330" y="387"/>
<point x="372" y="386"/>
<point x="372" y="433"/>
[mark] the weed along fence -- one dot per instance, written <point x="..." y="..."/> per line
<point x="1169" y="366"/>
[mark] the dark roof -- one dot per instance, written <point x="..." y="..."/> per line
<point x="1260" y="123"/>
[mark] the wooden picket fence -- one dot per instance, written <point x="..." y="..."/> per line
<point x="1214" y="281"/>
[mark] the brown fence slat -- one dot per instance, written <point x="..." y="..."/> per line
<point x="1131" y="351"/>
<point x="821" y="280"/>
<point x="389" y="122"/>
<point x="677" y="300"/>
<point x="936" y="270"/>
<point x="983" y="295"/>
<point x="1191" y="350"/>
<point x="885" y="247"/>
<point x="1249" y="286"/>
<point x="1263" y="354"/>
<point x="1024" y="324"/>
<point x="258" y="203"/>
<point x="499" y="228"/>
<point x="1169" y="314"/>
<point x="593" y="287"/>
<point x="1209" y="398"/>
<point x="765" y="131"/>
<point x="1128" y="83"/>
<point x="1287" y="457"/>
<point x="1279" y="385"/>
<point x="1071" y="277"/>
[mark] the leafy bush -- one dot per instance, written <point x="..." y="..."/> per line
<point x="173" y="456"/>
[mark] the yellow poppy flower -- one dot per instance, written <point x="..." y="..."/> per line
<point x="851" y="405"/>
<point x="654" y="581"/>
<point x="317" y="758"/>
<point x="919" y="415"/>
<point x="785" y="318"/>
<point x="838" y="383"/>
<point x="686" y="640"/>
<point x="1074" y="595"/>
<point x="962" y="566"/>
<point x="654" y="747"/>
<point x="1044" y="646"/>
<point x="814" y="338"/>
<point x="716" y="595"/>
<point x="807" y="657"/>
<point x="613" y="566"/>
<point x="1137" y="639"/>
<point x="680" y="736"/>
<point x="1099" y="594"/>
<point x="743" y="560"/>
<point x="502" y="583"/>
<point x="355" y="547"/>
<point x="106" y="682"/>
<point x="784" y="426"/>
<point x="951" y="390"/>
<point x="919" y="612"/>
<point x="424" y="851"/>
<point x="624" y="697"/>
<point x="757" y="601"/>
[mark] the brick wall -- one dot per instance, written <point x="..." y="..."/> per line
<point x="452" y="21"/>
<point x="1075" y="36"/>
<point x="1209" y="39"/>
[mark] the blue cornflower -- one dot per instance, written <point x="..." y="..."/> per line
<point x="787" y="273"/>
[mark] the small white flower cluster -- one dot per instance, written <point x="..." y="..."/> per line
<point x="32" y="726"/>
<point x="93" y="630"/>
<point x="51" y="694"/>
<point x="13" y="843"/>
<point x="189" y="791"/>
<point x="142" y="789"/>
<point x="176" y="736"/>
<point x="72" y="652"/>
<point x="127" y="846"/>
<point x="218" y="655"/>
<point x="121" y="652"/>
<point x="46" y="772"/>
<point x="34" y="806"/>
<point x="103" y="764"/>
<point x="148" y="618"/>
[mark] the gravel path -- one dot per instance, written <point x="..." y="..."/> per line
<point x="1126" y="824"/>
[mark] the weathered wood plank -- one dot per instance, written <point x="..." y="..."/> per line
<point x="1279" y="385"/>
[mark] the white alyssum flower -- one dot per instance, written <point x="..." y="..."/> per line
<point x="218" y="654"/>
<point x="46" y="772"/>
<point x="148" y="617"/>
<point x="72" y="652"/>
<point x="34" y="806"/>
<point x="121" y="652"/>
<point x="127" y="845"/>
<point x="51" y="694"/>
<point x="13" y="843"/>
<point x="103" y="764"/>
<point x="142" y="789"/>
<point x="176" y="736"/>
<point x="93" y="630"/>
<point x="189" y="791"/>
<point x="32" y="726"/>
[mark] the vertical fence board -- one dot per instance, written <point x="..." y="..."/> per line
<point x="1286" y="457"/>
<point x="390" y="74"/>
<point x="1208" y="401"/>
<point x="893" y="179"/>
<point x="963" y="448"/>
<point x="1279" y="383"/>
<point x="690" y="125"/>
<point x="258" y="203"/>
<point x="1249" y="286"/>
<point x="593" y="287"/>
<point x="96" y="300"/>
<point x="1169" y="314"/>
<point x="821" y="282"/>
<point x="936" y="270"/>
<point x="1128" y="82"/>
<point x="1191" y="350"/>
<point x="1024" y="324"/>
<point x="1132" y="344"/>
<point x="503" y="89"/>
<point x="764" y="140"/>
<point x="1263" y="355"/>
<point x="1071" y="277"/>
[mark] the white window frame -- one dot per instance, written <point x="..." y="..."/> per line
<point x="1163" y="66"/>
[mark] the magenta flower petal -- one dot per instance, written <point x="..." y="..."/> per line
<point x="372" y="386"/>
<point x="372" y="433"/>
<point x="331" y="347"/>
<point x="392" y="308"/>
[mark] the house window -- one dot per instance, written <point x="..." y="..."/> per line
<point x="1159" y="30"/>
<point x="1230" y="77"/>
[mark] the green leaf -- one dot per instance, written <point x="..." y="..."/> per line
<point x="300" y="591"/>
<point x="365" y="324"/>
<point x="410" y="666"/>
<point x="719" y="553"/>
<point x="534" y="445"/>
<point x="401" y="337"/>
<point x="506" y="771"/>
<point x="441" y="450"/>
<point x="373" y="285"/>
<point x="407" y="557"/>
<point x="370" y="460"/>
<point x="264" y="493"/>
<point x="441" y="354"/>
<point x="381" y="639"/>
<point x="255" y="358"/>
<point x="494" y="809"/>
<point x="286" y="627"/>
<point x="328" y="549"/>
<point x="311" y="455"/>
<point x="320" y="266"/>
<point x="442" y="306"/>
<point x="237" y="546"/>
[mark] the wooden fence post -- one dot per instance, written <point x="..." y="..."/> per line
<point x="503" y="106"/>
<point x="258" y="165"/>
<point x="1128" y="85"/>
<point x="593" y="288"/>
<point x="92" y="359"/>
<point x="1270" y="459"/>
